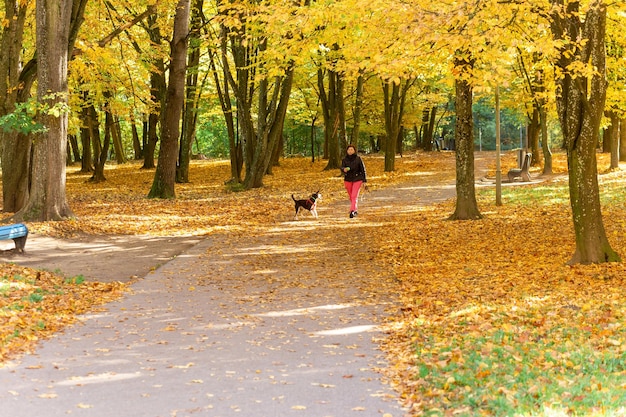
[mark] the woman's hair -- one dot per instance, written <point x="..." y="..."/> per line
<point x="351" y="146"/>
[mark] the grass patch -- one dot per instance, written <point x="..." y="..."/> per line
<point x="77" y="280"/>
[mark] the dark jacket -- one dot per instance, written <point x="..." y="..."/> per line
<point x="357" y="168"/>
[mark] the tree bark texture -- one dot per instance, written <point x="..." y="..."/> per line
<point x="223" y="91"/>
<point x="622" y="140"/>
<point x="545" y="141"/>
<point x="466" y="205"/>
<point x="165" y="175"/>
<point x="14" y="181"/>
<point x="331" y="97"/>
<point x="157" y="94"/>
<point x="391" y="93"/>
<point x="534" y="131"/>
<point x="614" y="140"/>
<point x="192" y="92"/>
<point x="100" y="147"/>
<point x="47" y="200"/>
<point x="358" y="108"/>
<point x="269" y="126"/>
<point x="394" y="98"/>
<point x="86" y="161"/>
<point x="580" y="106"/>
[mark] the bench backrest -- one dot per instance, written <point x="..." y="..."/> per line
<point x="526" y="163"/>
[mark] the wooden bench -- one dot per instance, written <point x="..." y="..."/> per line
<point x="523" y="171"/>
<point x="18" y="232"/>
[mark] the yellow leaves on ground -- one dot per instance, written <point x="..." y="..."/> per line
<point x="492" y="319"/>
<point x="36" y="304"/>
<point x="205" y="204"/>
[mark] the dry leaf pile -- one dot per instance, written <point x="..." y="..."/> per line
<point x="36" y="304"/>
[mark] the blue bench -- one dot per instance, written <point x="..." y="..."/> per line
<point x="18" y="232"/>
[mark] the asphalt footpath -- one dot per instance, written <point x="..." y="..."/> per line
<point x="270" y="325"/>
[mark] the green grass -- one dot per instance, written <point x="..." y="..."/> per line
<point x="77" y="280"/>
<point x="530" y="195"/>
<point x="497" y="373"/>
<point x="612" y="191"/>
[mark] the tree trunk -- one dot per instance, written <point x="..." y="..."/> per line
<point x="73" y="152"/>
<point x="100" y="150"/>
<point x="394" y="99"/>
<point x="606" y="136"/>
<point x="223" y="92"/>
<point x="47" y="199"/>
<point x="86" y="161"/>
<point x="534" y="130"/>
<point x="15" y="159"/>
<point x="622" y="140"/>
<point x="545" y="141"/>
<point x="116" y="136"/>
<point x="157" y="95"/>
<point x="137" y="148"/>
<point x="614" y="140"/>
<point x="165" y="175"/>
<point x="330" y="98"/>
<point x="269" y="127"/>
<point x="358" y="107"/>
<point x="466" y="205"/>
<point x="192" y="93"/>
<point x="391" y="92"/>
<point x="580" y="106"/>
<point x="429" y="133"/>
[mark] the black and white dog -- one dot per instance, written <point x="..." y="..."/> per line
<point x="308" y="204"/>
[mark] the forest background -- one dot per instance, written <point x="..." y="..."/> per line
<point x="263" y="80"/>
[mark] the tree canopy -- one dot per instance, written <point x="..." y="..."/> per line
<point x="265" y="76"/>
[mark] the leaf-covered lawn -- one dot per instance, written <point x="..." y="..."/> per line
<point x="492" y="321"/>
<point x="36" y="304"/>
<point x="489" y="320"/>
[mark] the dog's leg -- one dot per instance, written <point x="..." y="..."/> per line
<point x="297" y="211"/>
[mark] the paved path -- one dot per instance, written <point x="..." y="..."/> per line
<point x="280" y="322"/>
<point x="197" y="339"/>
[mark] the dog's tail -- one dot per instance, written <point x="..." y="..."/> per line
<point x="294" y="199"/>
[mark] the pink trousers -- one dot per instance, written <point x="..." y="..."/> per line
<point x="353" y="189"/>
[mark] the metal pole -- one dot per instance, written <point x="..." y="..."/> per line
<point x="498" y="168"/>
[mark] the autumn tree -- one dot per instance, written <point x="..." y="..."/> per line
<point x="165" y="175"/>
<point x="331" y="94"/>
<point x="47" y="199"/>
<point x="158" y="85"/>
<point x="581" y="96"/>
<point x="394" y="93"/>
<point x="256" y="47"/>
<point x="15" y="159"/>
<point x="466" y="206"/>
<point x="193" y="90"/>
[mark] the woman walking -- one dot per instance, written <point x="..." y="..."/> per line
<point x="354" y="176"/>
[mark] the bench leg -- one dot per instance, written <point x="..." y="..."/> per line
<point x="20" y="242"/>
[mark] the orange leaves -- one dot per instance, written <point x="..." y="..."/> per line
<point x="35" y="304"/>
<point x="492" y="313"/>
